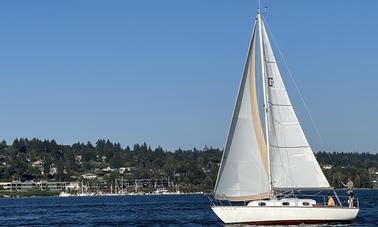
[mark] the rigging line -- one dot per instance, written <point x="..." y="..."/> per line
<point x="298" y="90"/>
<point x="317" y="193"/>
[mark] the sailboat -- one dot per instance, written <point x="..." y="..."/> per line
<point x="262" y="173"/>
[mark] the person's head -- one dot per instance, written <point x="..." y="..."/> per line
<point x="329" y="196"/>
<point x="349" y="178"/>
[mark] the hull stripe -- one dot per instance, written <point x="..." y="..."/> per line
<point x="295" y="222"/>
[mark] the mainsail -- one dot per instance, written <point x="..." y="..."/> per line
<point x="243" y="173"/>
<point x="293" y="164"/>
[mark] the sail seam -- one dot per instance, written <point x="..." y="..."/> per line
<point x="304" y="146"/>
<point x="273" y="104"/>
<point x="303" y="188"/>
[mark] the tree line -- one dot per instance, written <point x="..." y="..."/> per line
<point x="196" y="167"/>
<point x="35" y="159"/>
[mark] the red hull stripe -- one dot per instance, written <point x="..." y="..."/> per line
<point x="291" y="222"/>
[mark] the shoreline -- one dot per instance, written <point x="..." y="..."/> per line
<point x="40" y="193"/>
<point x="24" y="194"/>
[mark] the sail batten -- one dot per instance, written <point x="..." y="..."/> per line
<point x="243" y="171"/>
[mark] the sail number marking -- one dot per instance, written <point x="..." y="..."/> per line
<point x="270" y="82"/>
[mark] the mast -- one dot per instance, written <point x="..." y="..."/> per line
<point x="265" y="98"/>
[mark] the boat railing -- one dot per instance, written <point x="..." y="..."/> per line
<point x="341" y="201"/>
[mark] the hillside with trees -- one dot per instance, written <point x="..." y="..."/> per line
<point x="35" y="159"/>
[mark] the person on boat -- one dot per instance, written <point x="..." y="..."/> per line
<point x="330" y="202"/>
<point x="349" y="186"/>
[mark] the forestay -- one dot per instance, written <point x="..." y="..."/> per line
<point x="243" y="173"/>
<point x="293" y="164"/>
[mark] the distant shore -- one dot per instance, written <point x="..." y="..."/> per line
<point x="46" y="193"/>
<point x="28" y="193"/>
<point x="41" y="193"/>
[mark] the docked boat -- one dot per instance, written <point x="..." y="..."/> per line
<point x="264" y="172"/>
<point x="64" y="194"/>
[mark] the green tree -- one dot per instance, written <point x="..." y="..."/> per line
<point x="357" y="181"/>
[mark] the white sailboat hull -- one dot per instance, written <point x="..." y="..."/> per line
<point x="284" y="215"/>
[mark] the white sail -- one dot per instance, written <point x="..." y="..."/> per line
<point x="250" y="170"/>
<point x="293" y="164"/>
<point x="243" y="173"/>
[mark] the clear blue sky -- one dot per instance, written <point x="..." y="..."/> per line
<point x="166" y="72"/>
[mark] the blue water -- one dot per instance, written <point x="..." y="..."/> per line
<point x="160" y="210"/>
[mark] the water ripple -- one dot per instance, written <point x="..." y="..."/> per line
<point x="169" y="210"/>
